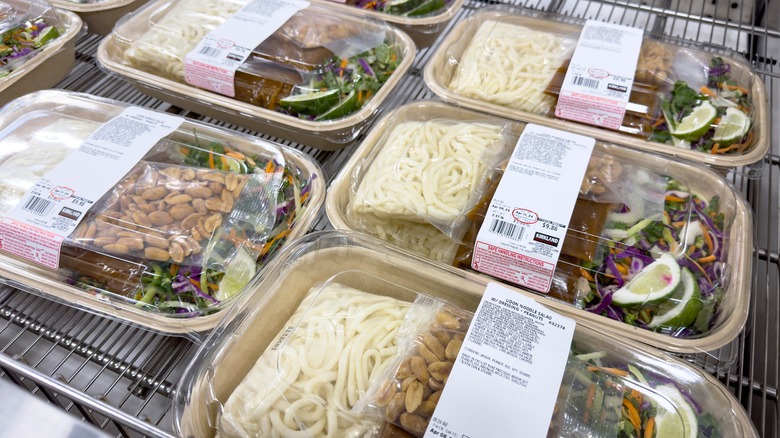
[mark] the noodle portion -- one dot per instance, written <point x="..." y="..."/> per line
<point x="305" y="384"/>
<point x="511" y="65"/>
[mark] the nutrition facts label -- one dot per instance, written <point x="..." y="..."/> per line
<point x="508" y="372"/>
<point x="524" y="229"/>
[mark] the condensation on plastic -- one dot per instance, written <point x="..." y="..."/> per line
<point x="616" y="225"/>
<point x="467" y="69"/>
<point x="262" y="323"/>
<point x="171" y="244"/>
<point x="313" y="51"/>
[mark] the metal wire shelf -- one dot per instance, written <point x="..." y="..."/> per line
<point x="121" y="378"/>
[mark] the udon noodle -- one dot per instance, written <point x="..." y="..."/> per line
<point x="304" y="385"/>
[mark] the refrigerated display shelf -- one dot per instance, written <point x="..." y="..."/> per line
<point x="121" y="378"/>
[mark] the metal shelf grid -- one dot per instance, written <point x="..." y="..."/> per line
<point x="122" y="378"/>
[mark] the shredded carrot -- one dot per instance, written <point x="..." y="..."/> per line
<point x="236" y="155"/>
<point x="671" y="198"/>
<point x="211" y="160"/>
<point x="360" y="95"/>
<point x="224" y="161"/>
<point x="659" y="122"/>
<point x="715" y="148"/>
<point x="589" y="402"/>
<point x="343" y="66"/>
<point x="633" y="415"/>
<point x="622" y="268"/>
<point x="195" y="282"/>
<point x="707" y="238"/>
<point x="184" y="150"/>
<point x="701" y="269"/>
<point x="709" y="258"/>
<point x="716" y="121"/>
<point x="584" y="272"/>
<point x="649" y="428"/>
<point x="616" y="371"/>
<point x="213" y="286"/>
<point x="678" y="224"/>
<point x="667" y="219"/>
<point x="707" y="92"/>
<point x="173" y="269"/>
<point x="269" y="167"/>
<point x="635" y="397"/>
<point x="734" y="87"/>
<point x="268" y="244"/>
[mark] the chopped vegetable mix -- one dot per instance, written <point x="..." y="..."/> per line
<point x="715" y="119"/>
<point x="343" y="85"/>
<point x="23" y="41"/>
<point x="192" y="290"/>
<point x="680" y="256"/>
<point x="409" y="8"/>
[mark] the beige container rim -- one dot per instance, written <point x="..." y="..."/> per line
<point x="72" y="23"/>
<point x="439" y="62"/>
<point x="418" y="24"/>
<point x="109" y="56"/>
<point x="224" y="358"/>
<point x="91" y="7"/>
<point x="25" y="275"/>
<point x="736" y="302"/>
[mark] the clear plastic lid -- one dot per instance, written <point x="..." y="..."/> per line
<point x="351" y="336"/>
<point x="182" y="233"/>
<point x="315" y="67"/>
<point x="26" y="28"/>
<point x="652" y="243"/>
<point x="684" y="101"/>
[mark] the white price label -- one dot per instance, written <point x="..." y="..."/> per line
<point x="36" y="227"/>
<point x="522" y="236"/>
<point x="598" y="82"/>
<point x="508" y="372"/>
<point x="212" y="64"/>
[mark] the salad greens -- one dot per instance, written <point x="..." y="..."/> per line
<point x="690" y="233"/>
<point x="409" y="8"/>
<point x="714" y="119"/>
<point x="20" y="42"/>
<point x="192" y="290"/>
<point x="356" y="80"/>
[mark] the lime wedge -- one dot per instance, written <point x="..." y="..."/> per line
<point x="732" y="127"/>
<point x="683" y="306"/>
<point x="311" y="103"/>
<point x="48" y="34"/>
<point x="346" y="106"/>
<point x="679" y="419"/>
<point x="427" y="8"/>
<point x="238" y="273"/>
<point x="401" y="6"/>
<point x="656" y="282"/>
<point x="697" y="123"/>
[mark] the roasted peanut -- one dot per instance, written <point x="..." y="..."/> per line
<point x="396" y="406"/>
<point x="414" y="424"/>
<point x="176" y="252"/>
<point x="104" y="240"/>
<point x="440" y="370"/>
<point x="182" y="211"/>
<point x="414" y="396"/>
<point x="160" y="218"/>
<point x="132" y="243"/>
<point x="154" y="193"/>
<point x="420" y="369"/>
<point x="451" y="352"/>
<point x="386" y="393"/>
<point x="427" y="354"/>
<point x="157" y="254"/>
<point x="448" y="320"/>
<point x="117" y="248"/>
<point x="405" y="369"/>
<point x="198" y="192"/>
<point x="178" y="199"/>
<point x="406" y="382"/>
<point x="434" y="345"/>
<point x="231" y="181"/>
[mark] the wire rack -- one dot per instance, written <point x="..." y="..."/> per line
<point x="121" y="378"/>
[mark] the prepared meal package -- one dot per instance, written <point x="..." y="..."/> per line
<point x="100" y="16"/>
<point x="318" y="71"/>
<point x="655" y="248"/>
<point x="37" y="47"/>
<point x="181" y="234"/>
<point x="706" y="106"/>
<point x="343" y="344"/>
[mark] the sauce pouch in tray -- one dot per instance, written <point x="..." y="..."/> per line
<point x="181" y="234"/>
<point x="709" y="107"/>
<point x="353" y="338"/>
<point x="654" y="248"/>
<point x="315" y="71"/>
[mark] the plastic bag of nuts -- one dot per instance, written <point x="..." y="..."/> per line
<point x="409" y="396"/>
<point x="163" y="213"/>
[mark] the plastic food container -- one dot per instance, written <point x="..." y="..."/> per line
<point x="99" y="15"/>
<point x="473" y="68"/>
<point x="634" y="211"/>
<point x="34" y="57"/>
<point x="286" y="340"/>
<point x="156" y="250"/>
<point x="294" y="85"/>
<point x="423" y="20"/>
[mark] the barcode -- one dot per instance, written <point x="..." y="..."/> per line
<point x="507" y="229"/>
<point x="38" y="206"/>
<point x="585" y="82"/>
<point x="209" y="51"/>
